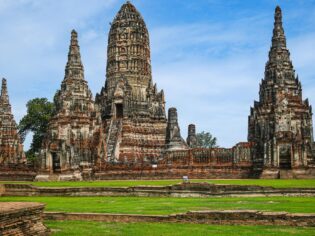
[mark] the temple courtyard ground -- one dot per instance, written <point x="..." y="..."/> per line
<point x="167" y="206"/>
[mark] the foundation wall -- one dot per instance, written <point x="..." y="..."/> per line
<point x="20" y="219"/>
<point x="178" y="190"/>
<point x="205" y="217"/>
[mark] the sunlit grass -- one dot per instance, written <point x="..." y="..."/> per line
<point x="84" y="228"/>
<point x="169" y="205"/>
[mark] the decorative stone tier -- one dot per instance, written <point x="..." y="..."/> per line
<point x="178" y="190"/>
<point x="22" y="219"/>
<point x="236" y="217"/>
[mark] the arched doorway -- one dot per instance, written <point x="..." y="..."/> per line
<point x="55" y="162"/>
<point x="285" y="156"/>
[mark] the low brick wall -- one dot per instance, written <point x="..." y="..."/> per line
<point x="223" y="171"/>
<point x="178" y="190"/>
<point x="198" y="217"/>
<point x="22" y="218"/>
<point x="17" y="175"/>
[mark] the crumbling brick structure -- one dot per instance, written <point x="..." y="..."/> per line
<point x="280" y="123"/>
<point x="11" y="148"/>
<point x="132" y="107"/>
<point x="75" y="138"/>
<point x="125" y="133"/>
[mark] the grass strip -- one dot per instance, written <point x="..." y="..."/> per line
<point x="167" y="205"/>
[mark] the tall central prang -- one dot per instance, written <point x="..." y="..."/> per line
<point x="129" y="91"/>
<point x="132" y="108"/>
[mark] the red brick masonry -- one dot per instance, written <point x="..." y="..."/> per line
<point x="22" y="218"/>
<point x="199" y="217"/>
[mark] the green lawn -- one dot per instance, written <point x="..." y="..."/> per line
<point x="279" y="183"/>
<point x="85" y="228"/>
<point x="167" y="205"/>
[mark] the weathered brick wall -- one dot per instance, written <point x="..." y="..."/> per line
<point x="178" y="190"/>
<point x="176" y="172"/>
<point x="17" y="172"/>
<point x="22" y="218"/>
<point x="205" y="217"/>
<point x="195" y="163"/>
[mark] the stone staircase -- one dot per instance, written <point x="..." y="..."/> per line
<point x="113" y="136"/>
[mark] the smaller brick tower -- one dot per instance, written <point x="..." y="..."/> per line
<point x="75" y="139"/>
<point x="280" y="123"/>
<point x="11" y="148"/>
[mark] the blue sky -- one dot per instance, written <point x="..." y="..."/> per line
<point x="207" y="55"/>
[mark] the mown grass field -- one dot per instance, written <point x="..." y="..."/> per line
<point x="278" y="183"/>
<point x="167" y="205"/>
<point x="84" y="228"/>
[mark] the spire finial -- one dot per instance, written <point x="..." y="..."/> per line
<point x="278" y="38"/>
<point x="4" y="84"/>
<point x="74" y="68"/>
<point x="74" y="37"/>
<point x="4" y="91"/>
<point x="279" y="55"/>
<point x="278" y="15"/>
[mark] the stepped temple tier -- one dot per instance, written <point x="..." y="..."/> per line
<point x="124" y="132"/>
<point x="11" y="148"/>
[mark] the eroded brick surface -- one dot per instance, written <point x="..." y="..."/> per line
<point x="22" y="218"/>
<point x="11" y="148"/>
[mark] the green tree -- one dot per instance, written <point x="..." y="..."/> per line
<point x="39" y="112"/>
<point x="206" y="140"/>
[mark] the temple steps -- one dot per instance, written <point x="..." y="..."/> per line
<point x="113" y="135"/>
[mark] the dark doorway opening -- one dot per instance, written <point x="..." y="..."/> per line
<point x="119" y="111"/>
<point x="56" y="162"/>
<point x="285" y="157"/>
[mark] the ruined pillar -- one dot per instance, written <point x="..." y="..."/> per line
<point x="191" y="138"/>
<point x="174" y="141"/>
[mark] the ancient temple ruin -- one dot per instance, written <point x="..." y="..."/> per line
<point x="75" y="137"/>
<point x="125" y="133"/>
<point x="132" y="107"/>
<point x="280" y="123"/>
<point x="11" y="148"/>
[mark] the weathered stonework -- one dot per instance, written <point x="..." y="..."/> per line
<point x="11" y="148"/>
<point x="22" y="219"/>
<point x="132" y="107"/>
<point x="191" y="138"/>
<point x="215" y="217"/>
<point x="125" y="133"/>
<point x="174" y="140"/>
<point x="75" y="138"/>
<point x="280" y="123"/>
<point x="201" y="190"/>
